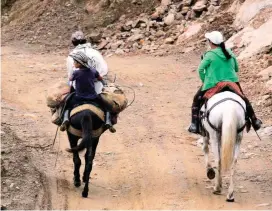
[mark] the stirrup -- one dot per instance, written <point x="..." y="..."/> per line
<point x="64" y="126"/>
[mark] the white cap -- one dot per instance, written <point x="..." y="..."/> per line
<point x="215" y="37"/>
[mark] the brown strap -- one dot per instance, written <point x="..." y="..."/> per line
<point x="95" y="133"/>
<point x="90" y="107"/>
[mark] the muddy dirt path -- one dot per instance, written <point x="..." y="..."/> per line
<point x="151" y="162"/>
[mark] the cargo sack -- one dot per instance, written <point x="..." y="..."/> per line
<point x="114" y="98"/>
<point x="56" y="116"/>
<point x="56" y="94"/>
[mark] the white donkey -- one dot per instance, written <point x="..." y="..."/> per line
<point x="223" y="121"/>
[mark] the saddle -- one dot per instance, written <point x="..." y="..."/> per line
<point x="220" y="87"/>
<point x="95" y="110"/>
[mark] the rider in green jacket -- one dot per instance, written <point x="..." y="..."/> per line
<point x="218" y="64"/>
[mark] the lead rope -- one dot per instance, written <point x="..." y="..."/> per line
<point x="55" y="137"/>
<point x="134" y="95"/>
<point x="57" y="153"/>
<point x="257" y="134"/>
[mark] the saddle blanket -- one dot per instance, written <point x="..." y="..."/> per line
<point x="221" y="86"/>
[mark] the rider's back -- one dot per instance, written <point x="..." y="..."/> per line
<point x="216" y="68"/>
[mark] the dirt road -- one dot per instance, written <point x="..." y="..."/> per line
<point x="152" y="162"/>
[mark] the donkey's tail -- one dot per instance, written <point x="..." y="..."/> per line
<point x="229" y="135"/>
<point x="86" y="125"/>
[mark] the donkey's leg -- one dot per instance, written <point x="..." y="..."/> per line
<point x="215" y="140"/>
<point x="230" y="196"/>
<point x="205" y="148"/>
<point x="95" y="143"/>
<point x="77" y="162"/>
<point x="89" y="157"/>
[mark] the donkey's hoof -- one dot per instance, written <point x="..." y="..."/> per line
<point x="77" y="183"/>
<point x="210" y="173"/>
<point x="84" y="194"/>
<point x="230" y="200"/>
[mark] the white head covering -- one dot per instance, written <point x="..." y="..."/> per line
<point x="80" y="57"/>
<point x="215" y="37"/>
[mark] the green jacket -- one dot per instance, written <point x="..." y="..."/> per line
<point x="215" y="68"/>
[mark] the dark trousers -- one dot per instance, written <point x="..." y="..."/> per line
<point x="76" y="100"/>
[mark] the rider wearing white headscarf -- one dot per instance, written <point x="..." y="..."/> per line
<point x="96" y="60"/>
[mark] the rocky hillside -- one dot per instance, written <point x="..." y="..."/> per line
<point x="155" y="27"/>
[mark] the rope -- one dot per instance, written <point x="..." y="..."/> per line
<point x="57" y="153"/>
<point x="55" y="136"/>
<point x="257" y="135"/>
<point x="134" y="95"/>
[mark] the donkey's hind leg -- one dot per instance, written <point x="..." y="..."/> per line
<point x="89" y="157"/>
<point x="77" y="162"/>
<point x="205" y="148"/>
<point x="230" y="196"/>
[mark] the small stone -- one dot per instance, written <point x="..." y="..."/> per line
<point x="141" y="84"/>
<point x="142" y="25"/>
<point x="135" y="37"/>
<point x="95" y="37"/>
<point x="211" y="8"/>
<point x="165" y="2"/>
<point x="193" y="14"/>
<point x="215" y="2"/>
<point x="116" y="45"/>
<point x="266" y="74"/>
<point x="11" y="185"/>
<point x="122" y="18"/>
<point x="119" y="51"/>
<point x="136" y="2"/>
<point x="125" y="28"/>
<point x="155" y="16"/>
<point x="126" y="50"/>
<point x="102" y="44"/>
<point x="169" y="40"/>
<point x="135" y="46"/>
<point x="187" y="2"/>
<point x="169" y="19"/>
<point x="185" y="10"/>
<point x="160" y="33"/>
<point x="179" y="16"/>
<point x="200" y="6"/>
